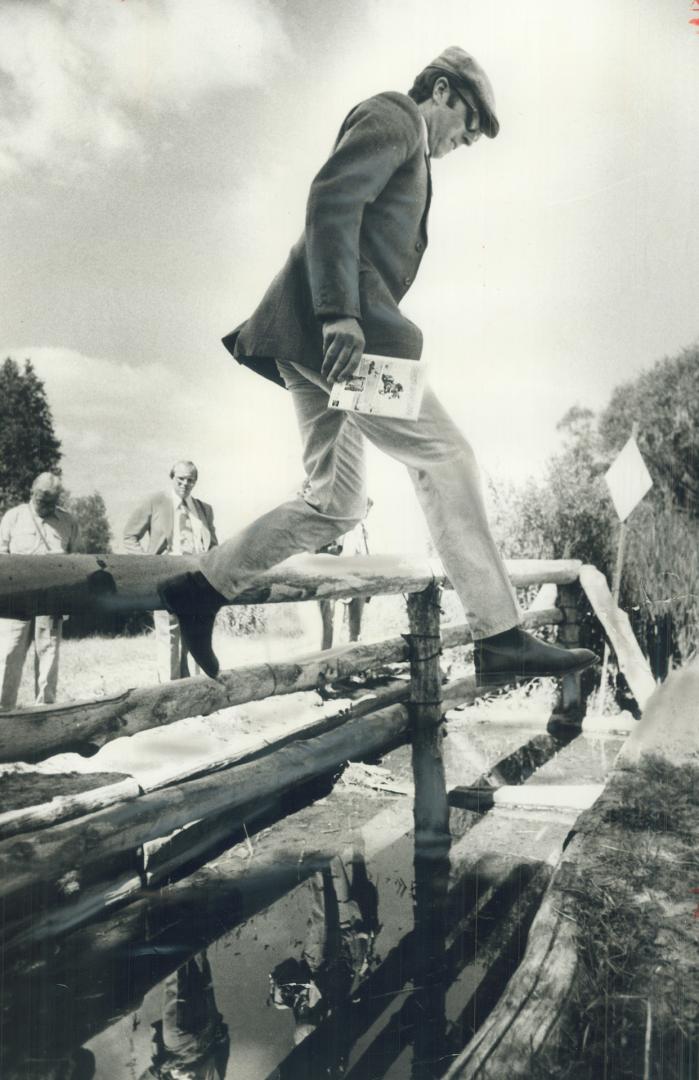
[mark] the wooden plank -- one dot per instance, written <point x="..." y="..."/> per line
<point x="532" y="796"/>
<point x="530" y="1009"/>
<point x="616" y="624"/>
<point x="67" y="584"/>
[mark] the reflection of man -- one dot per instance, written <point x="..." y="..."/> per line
<point x="337" y="295"/>
<point x="38" y="527"/>
<point x="337" y="955"/>
<point x="191" y="1041"/>
<point x="177" y="523"/>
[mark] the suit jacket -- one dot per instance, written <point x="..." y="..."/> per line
<point x="365" y="235"/>
<point x="156" y="517"/>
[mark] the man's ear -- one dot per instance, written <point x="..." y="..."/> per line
<point x="440" y="90"/>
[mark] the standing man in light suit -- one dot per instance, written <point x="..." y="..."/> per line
<point x="38" y="527"/>
<point x="175" y="523"/>
<point x="337" y="297"/>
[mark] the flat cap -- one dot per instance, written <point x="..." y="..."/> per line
<point x="459" y="65"/>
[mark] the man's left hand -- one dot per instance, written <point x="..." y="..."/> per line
<point x="343" y="345"/>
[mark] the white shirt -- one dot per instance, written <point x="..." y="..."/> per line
<point x="194" y="520"/>
<point x="23" y="532"/>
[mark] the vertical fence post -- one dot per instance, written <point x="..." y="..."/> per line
<point x="431" y="809"/>
<point x="571" y="700"/>
<point x="432" y="838"/>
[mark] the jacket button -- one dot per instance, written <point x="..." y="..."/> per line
<point x="407" y="280"/>
<point x="419" y="246"/>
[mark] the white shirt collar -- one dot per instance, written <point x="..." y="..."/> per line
<point x="425" y="135"/>
<point x="176" y="501"/>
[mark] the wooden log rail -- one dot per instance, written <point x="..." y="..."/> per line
<point x="37" y="733"/>
<point x="61" y="584"/>
<point x="68" y="584"/>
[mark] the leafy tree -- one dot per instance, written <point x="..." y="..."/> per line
<point x="665" y="401"/>
<point x="570" y="515"/>
<point x="95" y="533"/>
<point x="28" y="445"/>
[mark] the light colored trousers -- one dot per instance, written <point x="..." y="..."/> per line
<point x="16" y="635"/>
<point x="444" y="473"/>
<point x="172" y="658"/>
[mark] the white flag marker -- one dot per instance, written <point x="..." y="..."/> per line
<point x="628" y="479"/>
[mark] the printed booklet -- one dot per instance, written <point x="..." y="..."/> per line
<point x="382" y="386"/>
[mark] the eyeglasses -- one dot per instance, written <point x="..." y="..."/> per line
<point x="472" y="120"/>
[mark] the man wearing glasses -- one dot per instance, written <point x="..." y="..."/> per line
<point x="337" y="297"/>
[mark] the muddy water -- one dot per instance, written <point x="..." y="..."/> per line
<point x="380" y="966"/>
<point x="350" y="993"/>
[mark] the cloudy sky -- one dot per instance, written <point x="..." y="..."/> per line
<point x="154" y="161"/>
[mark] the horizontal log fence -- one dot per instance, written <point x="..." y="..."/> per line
<point x="37" y="733"/>
<point x="229" y="793"/>
<point x="67" y="584"/>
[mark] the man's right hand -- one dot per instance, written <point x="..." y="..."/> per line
<point x="343" y="345"/>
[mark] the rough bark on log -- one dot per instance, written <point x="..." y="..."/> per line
<point x="531" y="1006"/>
<point x="110" y="789"/>
<point x="427" y="734"/>
<point x="69" y="584"/>
<point x="44" y="855"/>
<point x="37" y="733"/>
<point x="365" y="700"/>
<point x="616" y="624"/>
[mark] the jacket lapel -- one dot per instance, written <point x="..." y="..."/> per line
<point x="201" y="514"/>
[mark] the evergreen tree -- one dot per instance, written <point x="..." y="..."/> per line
<point x="28" y="445"/>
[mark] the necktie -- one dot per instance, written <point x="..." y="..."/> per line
<point x="185" y="527"/>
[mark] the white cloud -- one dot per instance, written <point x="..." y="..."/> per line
<point x="122" y="426"/>
<point x="80" y="77"/>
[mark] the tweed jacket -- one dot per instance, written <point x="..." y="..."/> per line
<point x="155" y="516"/>
<point x="365" y="235"/>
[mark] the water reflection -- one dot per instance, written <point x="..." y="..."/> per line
<point x="190" y="1041"/>
<point x="310" y="964"/>
<point x="337" y="954"/>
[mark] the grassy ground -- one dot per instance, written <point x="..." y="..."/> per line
<point x="635" y="1009"/>
<point x="100" y="666"/>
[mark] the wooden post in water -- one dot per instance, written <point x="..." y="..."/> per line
<point x="432" y="837"/>
<point x="431" y="809"/>
<point x="571" y="700"/>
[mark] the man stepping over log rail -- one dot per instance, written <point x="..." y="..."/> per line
<point x="335" y="300"/>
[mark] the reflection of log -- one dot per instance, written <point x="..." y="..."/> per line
<point x="33" y="734"/>
<point x="531" y="1006"/>
<point x="45" y="855"/>
<point x="631" y="660"/>
<point x="67" y="584"/>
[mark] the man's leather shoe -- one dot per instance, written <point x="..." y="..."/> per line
<point x="195" y="602"/>
<point x="516" y="655"/>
